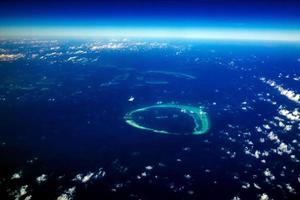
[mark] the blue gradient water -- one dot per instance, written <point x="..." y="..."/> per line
<point x="63" y="102"/>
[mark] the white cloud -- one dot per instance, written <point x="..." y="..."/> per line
<point x="293" y="115"/>
<point x="108" y="46"/>
<point x="264" y="196"/>
<point x="290" y="94"/>
<point x="68" y="194"/>
<point x="10" y="57"/>
<point x="42" y="178"/>
<point x="16" y="175"/>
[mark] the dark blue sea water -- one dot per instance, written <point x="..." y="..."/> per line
<point x="62" y="107"/>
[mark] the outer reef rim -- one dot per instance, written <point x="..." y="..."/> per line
<point x="201" y="120"/>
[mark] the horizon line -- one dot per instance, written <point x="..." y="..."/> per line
<point x="249" y="34"/>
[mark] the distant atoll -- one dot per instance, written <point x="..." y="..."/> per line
<point x="200" y="117"/>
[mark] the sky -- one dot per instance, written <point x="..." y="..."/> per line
<point x="143" y="16"/>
